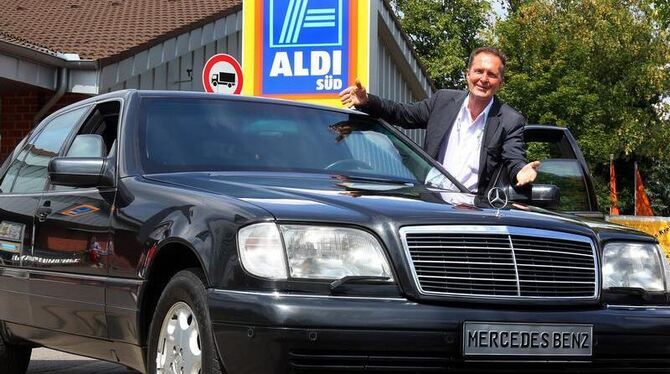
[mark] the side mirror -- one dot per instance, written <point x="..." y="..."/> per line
<point x="546" y="196"/>
<point x="87" y="145"/>
<point x="79" y="172"/>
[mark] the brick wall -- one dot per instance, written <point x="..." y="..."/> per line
<point x="18" y="110"/>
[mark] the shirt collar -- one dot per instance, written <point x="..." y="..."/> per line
<point x="466" y="112"/>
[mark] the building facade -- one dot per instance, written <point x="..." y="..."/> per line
<point x="58" y="52"/>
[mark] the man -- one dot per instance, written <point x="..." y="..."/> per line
<point x="471" y="133"/>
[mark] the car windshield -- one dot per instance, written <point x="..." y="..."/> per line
<point x="232" y="135"/>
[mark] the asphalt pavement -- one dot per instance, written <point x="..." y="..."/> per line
<point x="53" y="362"/>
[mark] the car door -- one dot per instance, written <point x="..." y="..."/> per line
<point x="17" y="212"/>
<point x="73" y="240"/>
<point x="563" y="165"/>
<point x="22" y="185"/>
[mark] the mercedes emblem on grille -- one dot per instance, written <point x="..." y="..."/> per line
<point x="498" y="199"/>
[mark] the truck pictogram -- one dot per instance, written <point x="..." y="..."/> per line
<point x="223" y="78"/>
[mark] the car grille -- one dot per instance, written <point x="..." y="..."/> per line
<point x="501" y="262"/>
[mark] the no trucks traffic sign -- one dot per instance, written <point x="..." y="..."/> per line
<point x="222" y="74"/>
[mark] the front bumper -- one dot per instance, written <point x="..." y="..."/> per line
<point x="286" y="333"/>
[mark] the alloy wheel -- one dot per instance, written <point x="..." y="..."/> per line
<point x="179" y="350"/>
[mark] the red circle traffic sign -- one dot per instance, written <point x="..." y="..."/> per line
<point x="222" y="74"/>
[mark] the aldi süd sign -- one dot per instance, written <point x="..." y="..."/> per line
<point x="303" y="49"/>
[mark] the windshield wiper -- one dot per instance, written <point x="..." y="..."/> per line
<point x="349" y="178"/>
<point x="435" y="186"/>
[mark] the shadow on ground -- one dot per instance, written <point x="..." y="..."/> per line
<point x="48" y="361"/>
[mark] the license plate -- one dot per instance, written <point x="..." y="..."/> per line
<point x="522" y="339"/>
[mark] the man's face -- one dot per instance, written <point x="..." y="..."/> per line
<point x="484" y="76"/>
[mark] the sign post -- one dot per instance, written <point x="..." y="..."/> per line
<point x="222" y="74"/>
<point x="305" y="50"/>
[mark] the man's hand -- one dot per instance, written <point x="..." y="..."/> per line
<point x="527" y="174"/>
<point x="355" y="95"/>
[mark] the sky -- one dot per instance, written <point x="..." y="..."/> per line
<point x="498" y="8"/>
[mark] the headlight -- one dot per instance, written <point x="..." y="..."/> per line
<point x="634" y="265"/>
<point x="315" y="252"/>
<point x="261" y="251"/>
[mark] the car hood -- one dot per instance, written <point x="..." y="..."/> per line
<point x="344" y="200"/>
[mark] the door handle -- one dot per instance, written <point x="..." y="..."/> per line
<point x="43" y="213"/>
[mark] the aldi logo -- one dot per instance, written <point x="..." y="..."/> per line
<point x="305" y="52"/>
<point x="304" y="49"/>
<point x="304" y="24"/>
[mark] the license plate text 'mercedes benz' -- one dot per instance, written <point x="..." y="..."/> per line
<point x="517" y="339"/>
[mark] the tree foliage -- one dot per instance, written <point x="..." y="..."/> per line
<point x="444" y="32"/>
<point x="600" y="68"/>
<point x="663" y="9"/>
<point x="597" y="67"/>
<point x="657" y="184"/>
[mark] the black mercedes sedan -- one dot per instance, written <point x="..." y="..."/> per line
<point x="179" y="232"/>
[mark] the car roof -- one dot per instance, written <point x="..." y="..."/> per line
<point x="230" y="97"/>
<point x="546" y="127"/>
<point x="128" y="93"/>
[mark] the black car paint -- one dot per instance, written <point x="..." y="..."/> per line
<point x="101" y="307"/>
<point x="390" y="334"/>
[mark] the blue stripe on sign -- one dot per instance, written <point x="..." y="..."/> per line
<point x="286" y="21"/>
<point x="321" y="11"/>
<point x="300" y="20"/>
<point x="319" y="24"/>
<point x="320" y="18"/>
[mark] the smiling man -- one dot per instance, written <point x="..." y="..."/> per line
<point x="471" y="133"/>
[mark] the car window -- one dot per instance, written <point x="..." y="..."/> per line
<point x="215" y="135"/>
<point x="567" y="175"/>
<point x="102" y="123"/>
<point x="560" y="166"/>
<point x="13" y="171"/>
<point x="546" y="143"/>
<point x="12" y="164"/>
<point x="32" y="174"/>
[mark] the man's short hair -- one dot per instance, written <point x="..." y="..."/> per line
<point x="492" y="51"/>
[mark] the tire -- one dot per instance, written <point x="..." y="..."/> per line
<point x="181" y="332"/>
<point x="14" y="359"/>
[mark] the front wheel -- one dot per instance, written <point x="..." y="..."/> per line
<point x="181" y="339"/>
<point x="14" y="359"/>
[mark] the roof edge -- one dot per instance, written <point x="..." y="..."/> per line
<point x="46" y="57"/>
<point x="170" y="34"/>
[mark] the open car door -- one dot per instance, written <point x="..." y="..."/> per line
<point x="563" y="165"/>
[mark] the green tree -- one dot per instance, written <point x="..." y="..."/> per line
<point x="444" y="33"/>
<point x="656" y="175"/>
<point x="663" y="7"/>
<point x="598" y="67"/>
<point x="512" y="5"/>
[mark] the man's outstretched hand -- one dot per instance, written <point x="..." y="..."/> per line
<point x="527" y="174"/>
<point x="355" y="95"/>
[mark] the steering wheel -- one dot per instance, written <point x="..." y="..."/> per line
<point x="348" y="164"/>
